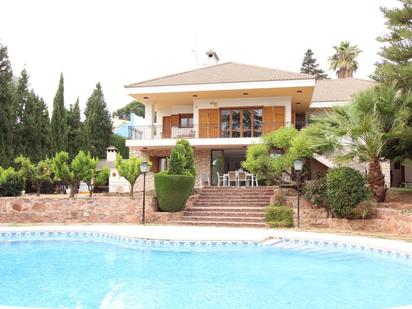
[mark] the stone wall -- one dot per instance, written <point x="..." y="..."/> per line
<point x="59" y="209"/>
<point x="202" y="164"/>
<point x="384" y="220"/>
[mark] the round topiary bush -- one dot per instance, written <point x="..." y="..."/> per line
<point x="279" y="216"/>
<point x="172" y="191"/>
<point x="346" y="189"/>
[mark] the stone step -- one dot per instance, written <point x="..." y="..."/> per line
<point x="220" y="219"/>
<point x="259" y="214"/>
<point x="235" y="198"/>
<point x="220" y="223"/>
<point x="226" y="209"/>
<point x="229" y="203"/>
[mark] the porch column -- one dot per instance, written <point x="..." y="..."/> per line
<point x="149" y="117"/>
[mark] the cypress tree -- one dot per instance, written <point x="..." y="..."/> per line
<point x="37" y="129"/>
<point x="7" y="109"/>
<point x="75" y="130"/>
<point x="22" y="98"/>
<point x="59" y="121"/>
<point x="396" y="65"/>
<point x="309" y="66"/>
<point x="98" y="124"/>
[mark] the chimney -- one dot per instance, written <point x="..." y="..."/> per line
<point x="111" y="153"/>
<point x="212" y="57"/>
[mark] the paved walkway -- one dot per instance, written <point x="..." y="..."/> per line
<point x="169" y="232"/>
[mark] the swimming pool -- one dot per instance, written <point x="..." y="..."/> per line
<point x="98" y="270"/>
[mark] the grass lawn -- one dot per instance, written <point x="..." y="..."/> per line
<point x="402" y="190"/>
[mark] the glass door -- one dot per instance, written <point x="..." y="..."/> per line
<point x="243" y="122"/>
<point x="217" y="165"/>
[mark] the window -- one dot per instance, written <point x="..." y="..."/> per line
<point x="186" y="121"/>
<point x="241" y="122"/>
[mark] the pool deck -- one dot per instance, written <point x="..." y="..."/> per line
<point x="193" y="233"/>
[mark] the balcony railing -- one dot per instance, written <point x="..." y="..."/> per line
<point x="204" y="131"/>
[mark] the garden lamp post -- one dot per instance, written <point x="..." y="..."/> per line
<point x="298" y="167"/>
<point x="144" y="168"/>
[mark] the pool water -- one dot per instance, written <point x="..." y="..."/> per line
<point x="82" y="274"/>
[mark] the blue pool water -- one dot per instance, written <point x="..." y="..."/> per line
<point x="83" y="274"/>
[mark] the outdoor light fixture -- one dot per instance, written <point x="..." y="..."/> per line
<point x="195" y="95"/>
<point x="245" y="93"/>
<point x="297" y="103"/>
<point x="144" y="168"/>
<point x="145" y="98"/>
<point x="298" y="167"/>
<point x="299" y="91"/>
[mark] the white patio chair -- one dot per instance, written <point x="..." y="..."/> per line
<point x="241" y="177"/>
<point x="231" y="177"/>
<point x="256" y="179"/>
<point x="204" y="179"/>
<point x="220" y="180"/>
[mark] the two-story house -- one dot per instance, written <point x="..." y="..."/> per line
<point x="223" y="108"/>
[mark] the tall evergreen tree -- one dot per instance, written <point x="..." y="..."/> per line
<point x="98" y="124"/>
<point x="7" y="106"/>
<point x="59" y="120"/>
<point x="396" y="65"/>
<point x="22" y="98"/>
<point x="37" y="129"/>
<point x="309" y="66"/>
<point x="75" y="130"/>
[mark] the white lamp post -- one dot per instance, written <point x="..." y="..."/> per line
<point x="298" y="167"/>
<point x="144" y="168"/>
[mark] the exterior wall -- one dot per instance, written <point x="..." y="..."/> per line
<point x="61" y="209"/>
<point x="245" y="102"/>
<point x="202" y="164"/>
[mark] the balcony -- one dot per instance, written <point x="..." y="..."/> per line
<point x="156" y="132"/>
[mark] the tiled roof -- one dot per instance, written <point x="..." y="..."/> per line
<point x="330" y="90"/>
<point x="229" y="72"/>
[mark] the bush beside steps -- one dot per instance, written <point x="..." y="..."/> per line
<point x="279" y="216"/>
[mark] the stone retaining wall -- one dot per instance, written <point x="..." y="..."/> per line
<point x="385" y="220"/>
<point x="61" y="209"/>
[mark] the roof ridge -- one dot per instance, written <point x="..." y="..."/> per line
<point x="347" y="78"/>
<point x="179" y="73"/>
<point x="267" y="68"/>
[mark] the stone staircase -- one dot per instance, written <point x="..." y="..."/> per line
<point x="228" y="206"/>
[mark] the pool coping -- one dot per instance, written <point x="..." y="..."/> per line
<point x="229" y="234"/>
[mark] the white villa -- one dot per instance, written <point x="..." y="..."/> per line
<point x="223" y="108"/>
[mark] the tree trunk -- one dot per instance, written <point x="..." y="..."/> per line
<point x="73" y="188"/>
<point x="376" y="180"/>
<point x="38" y="187"/>
<point x="131" y="191"/>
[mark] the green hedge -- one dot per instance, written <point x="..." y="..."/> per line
<point x="172" y="191"/>
<point x="279" y="216"/>
<point x="346" y="189"/>
<point x="11" y="183"/>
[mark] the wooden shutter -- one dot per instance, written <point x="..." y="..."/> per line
<point x="167" y="127"/>
<point x="175" y="120"/>
<point x="209" y="123"/>
<point x="273" y="118"/>
<point x="155" y="164"/>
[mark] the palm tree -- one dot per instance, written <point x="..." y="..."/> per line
<point x="344" y="62"/>
<point x="362" y="129"/>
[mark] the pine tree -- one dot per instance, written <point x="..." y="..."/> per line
<point x="98" y="124"/>
<point x="7" y="106"/>
<point x="22" y="97"/>
<point x="75" y="130"/>
<point x="309" y="66"/>
<point x="396" y="65"/>
<point x="59" y="121"/>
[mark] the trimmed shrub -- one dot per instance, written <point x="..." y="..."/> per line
<point x="279" y="216"/>
<point x="11" y="183"/>
<point x="316" y="191"/>
<point x="172" y="191"/>
<point x="345" y="189"/>
<point x="279" y="198"/>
